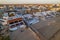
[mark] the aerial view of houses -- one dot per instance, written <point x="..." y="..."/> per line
<point x="30" y="22"/>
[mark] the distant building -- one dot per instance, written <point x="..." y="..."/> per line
<point x="11" y="18"/>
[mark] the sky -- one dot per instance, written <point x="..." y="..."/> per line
<point x="29" y="1"/>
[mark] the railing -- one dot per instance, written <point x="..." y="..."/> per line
<point x="15" y="23"/>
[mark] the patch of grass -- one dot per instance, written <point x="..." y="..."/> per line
<point x="6" y="38"/>
<point x="0" y="38"/>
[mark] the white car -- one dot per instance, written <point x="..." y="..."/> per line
<point x="13" y="29"/>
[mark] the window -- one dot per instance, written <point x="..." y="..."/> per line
<point x="11" y="23"/>
<point x="12" y="26"/>
<point x="21" y="23"/>
<point x="16" y="21"/>
<point x="17" y="24"/>
<point x="20" y="20"/>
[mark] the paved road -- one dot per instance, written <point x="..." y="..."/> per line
<point x="47" y="28"/>
<point x="25" y="35"/>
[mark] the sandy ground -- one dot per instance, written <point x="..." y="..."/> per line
<point x="25" y="35"/>
<point x="48" y="29"/>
